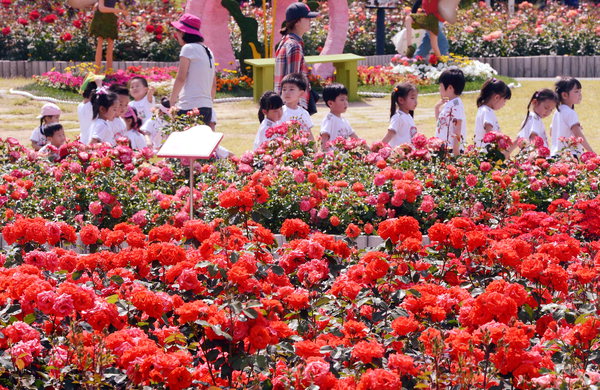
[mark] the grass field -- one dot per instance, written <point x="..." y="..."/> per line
<point x="369" y="117"/>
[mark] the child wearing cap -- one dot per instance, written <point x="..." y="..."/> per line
<point x="289" y="54"/>
<point x="50" y="114"/>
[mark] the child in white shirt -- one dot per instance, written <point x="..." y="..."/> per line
<point x="492" y="97"/>
<point x="134" y="133"/>
<point x="153" y="127"/>
<point x="50" y="114"/>
<point x="451" y="120"/>
<point x="143" y="97"/>
<point x="333" y="125"/>
<point x="543" y="103"/>
<point x="402" y="126"/>
<point x="293" y="87"/>
<point x="105" y="105"/>
<point x="55" y="134"/>
<point x="269" y="115"/>
<point x="85" y="111"/>
<point x="565" y="123"/>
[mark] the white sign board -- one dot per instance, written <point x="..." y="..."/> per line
<point x="193" y="143"/>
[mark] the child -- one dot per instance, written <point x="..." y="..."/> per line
<point x="50" y="114"/>
<point x="105" y="105"/>
<point x="134" y="133"/>
<point x="493" y="96"/>
<point x="118" y="124"/>
<point x="269" y="114"/>
<point x="565" y="123"/>
<point x="55" y="135"/>
<point x="105" y="26"/>
<point x="153" y="127"/>
<point x="143" y="97"/>
<point x="544" y="102"/>
<point x="84" y="109"/>
<point x="293" y="87"/>
<point x="333" y="125"/>
<point x="451" y="121"/>
<point x="402" y="125"/>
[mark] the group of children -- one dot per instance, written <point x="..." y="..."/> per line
<point x="449" y="114"/>
<point x="105" y="115"/>
<point x="108" y="113"/>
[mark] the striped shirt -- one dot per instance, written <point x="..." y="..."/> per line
<point x="289" y="58"/>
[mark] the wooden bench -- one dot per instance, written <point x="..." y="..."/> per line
<point x="263" y="71"/>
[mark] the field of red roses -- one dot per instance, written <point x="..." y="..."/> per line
<point x="106" y="283"/>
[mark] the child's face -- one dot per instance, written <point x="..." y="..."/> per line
<point x="109" y="113"/>
<point x="274" y="114"/>
<point x="446" y="92"/>
<point x="572" y="97"/>
<point x="50" y="119"/>
<point x="123" y="102"/>
<point x="129" y="123"/>
<point x="544" y="108"/>
<point x="339" y="105"/>
<point x="58" y="138"/>
<point x="137" y="90"/>
<point x="408" y="103"/>
<point x="290" y="93"/>
<point x="497" y="102"/>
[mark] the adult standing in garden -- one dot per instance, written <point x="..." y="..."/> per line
<point x="195" y="84"/>
<point x="289" y="54"/>
<point x="105" y="25"/>
<point x="434" y="40"/>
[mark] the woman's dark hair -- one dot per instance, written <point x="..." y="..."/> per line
<point x="191" y="38"/>
<point x="288" y="26"/>
<point x="49" y="130"/>
<point x="89" y="89"/>
<point x="268" y="101"/>
<point x="566" y="85"/>
<point x="493" y="87"/>
<point x="401" y="90"/>
<point x="136" y="120"/>
<point x="140" y="79"/>
<point x="104" y="99"/>
<point x="541" y="96"/>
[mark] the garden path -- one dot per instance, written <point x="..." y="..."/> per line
<point x="369" y="118"/>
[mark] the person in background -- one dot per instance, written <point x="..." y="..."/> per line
<point x="134" y="133"/>
<point x="50" y="114"/>
<point x="105" y="26"/>
<point x="492" y="97"/>
<point x="106" y="106"/>
<point x="402" y="126"/>
<point x="84" y="109"/>
<point x="333" y="125"/>
<point x="450" y="111"/>
<point x="118" y="124"/>
<point x="55" y="134"/>
<point x="540" y="106"/>
<point x="270" y="113"/>
<point x="153" y="127"/>
<point x="293" y="87"/>
<point x="143" y="97"/>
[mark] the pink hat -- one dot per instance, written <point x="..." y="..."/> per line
<point x="188" y="23"/>
<point x="50" y="109"/>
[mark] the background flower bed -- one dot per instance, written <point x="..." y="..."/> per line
<point x="40" y="30"/>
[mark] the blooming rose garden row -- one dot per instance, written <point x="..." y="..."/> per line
<point x="505" y="294"/>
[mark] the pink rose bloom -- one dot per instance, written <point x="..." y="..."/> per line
<point x="45" y="301"/>
<point x="485" y="166"/>
<point x="471" y="180"/>
<point x="139" y="218"/>
<point x="63" y="305"/>
<point x="188" y="280"/>
<point x="106" y="198"/>
<point x="323" y="213"/>
<point x="95" y="208"/>
<point x="299" y="176"/>
<point x="305" y="205"/>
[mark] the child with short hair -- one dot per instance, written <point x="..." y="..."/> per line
<point x="269" y="114"/>
<point x="543" y="102"/>
<point x="153" y="127"/>
<point x="55" y="134"/>
<point x="118" y="124"/>
<point x="134" y="133"/>
<point x="492" y="97"/>
<point x="293" y="87"/>
<point x="333" y="125"/>
<point x="105" y="106"/>
<point x="402" y="126"/>
<point x="450" y="111"/>
<point x="565" y="122"/>
<point x="143" y="97"/>
<point x="50" y="114"/>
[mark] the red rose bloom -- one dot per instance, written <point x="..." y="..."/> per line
<point x="89" y="234"/>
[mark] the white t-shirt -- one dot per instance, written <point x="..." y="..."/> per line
<point x="336" y="126"/>
<point x="143" y="108"/>
<point x="197" y="90"/>
<point x="261" y="135"/>
<point x="299" y="114"/>
<point x="38" y="137"/>
<point x="118" y="126"/>
<point x="452" y="110"/>
<point x="154" y="129"/>
<point x="485" y="115"/>
<point x="533" y="125"/>
<point x="85" y="113"/>
<point x="404" y="128"/>
<point x="102" y="131"/>
<point x="136" y="139"/>
<point x="564" y="118"/>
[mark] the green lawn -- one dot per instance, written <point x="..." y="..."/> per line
<point x="369" y="117"/>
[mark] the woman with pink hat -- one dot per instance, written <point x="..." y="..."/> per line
<point x="195" y="84"/>
<point x="50" y="114"/>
